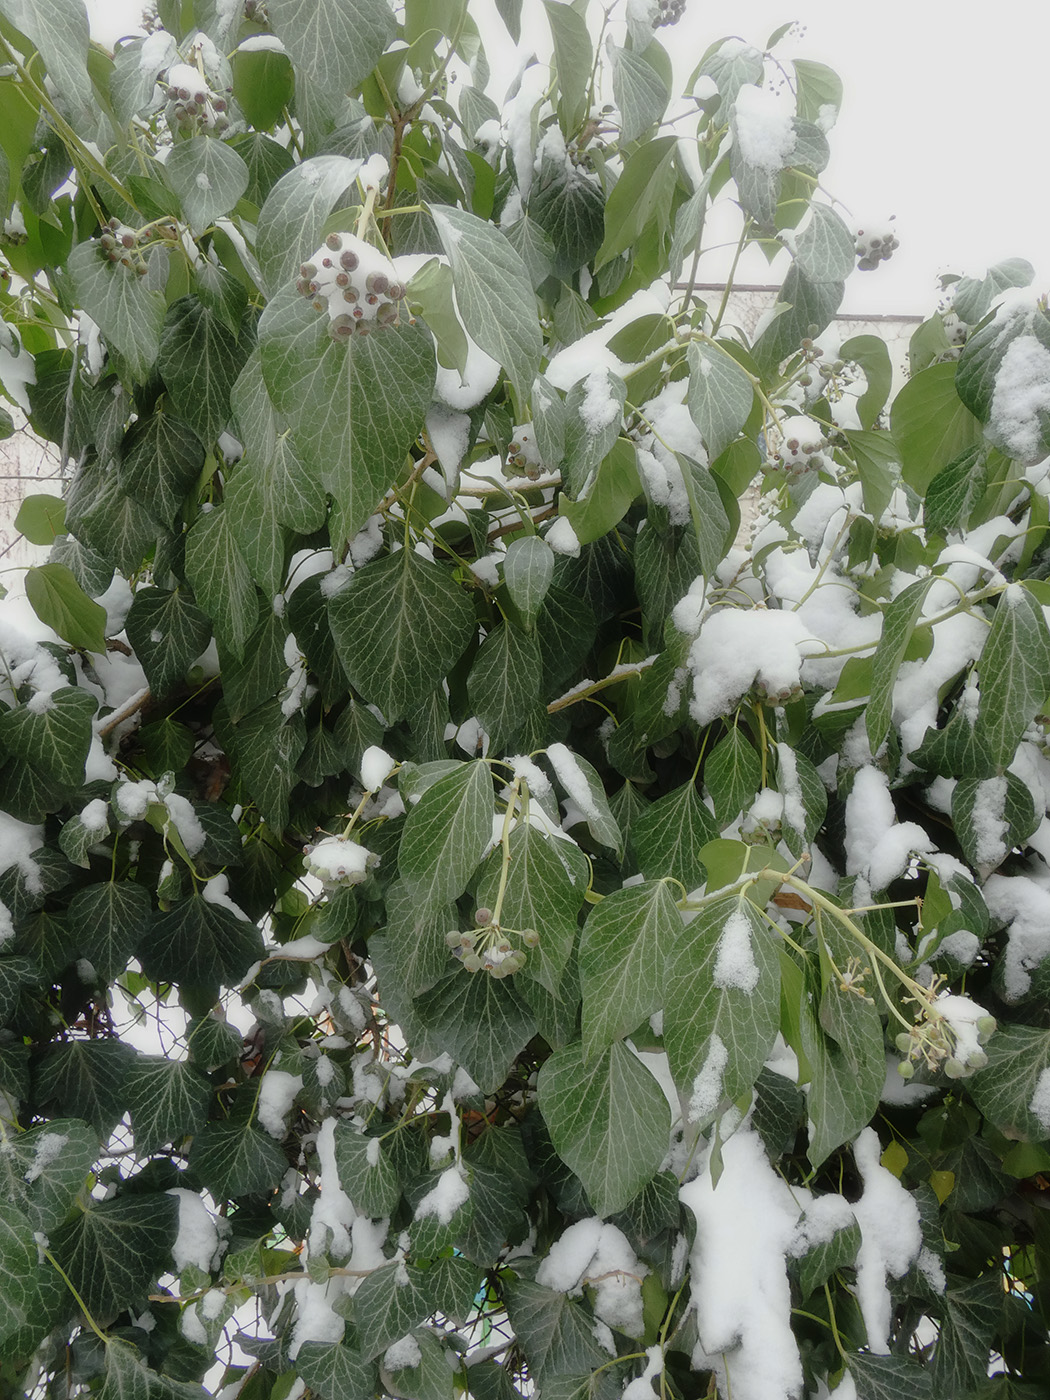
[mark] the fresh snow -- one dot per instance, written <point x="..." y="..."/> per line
<point x="1021" y="395"/>
<point x="739" y="1285"/>
<point x="762" y="128"/>
<point x="890" y="1238"/>
<point x="1039" y="1104"/>
<point x="735" y="966"/>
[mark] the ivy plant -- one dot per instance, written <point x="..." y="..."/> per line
<point x="524" y="862"/>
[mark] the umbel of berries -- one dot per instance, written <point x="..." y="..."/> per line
<point x="193" y="105"/>
<point x="668" y="12"/>
<point x="119" y="245"/>
<point x="875" y="244"/>
<point x="354" y="283"/>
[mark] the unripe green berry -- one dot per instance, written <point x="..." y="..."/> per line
<point x="335" y="242"/>
<point x="452" y="938"/>
<point x="903" y="1042"/>
<point x="906" y="1069"/>
<point x="955" y="1069"/>
<point x="530" y="938"/>
<point x="472" y="962"/>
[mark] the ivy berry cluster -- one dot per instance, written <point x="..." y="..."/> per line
<point x="120" y="244"/>
<point x="193" y="105"/>
<point x="669" y="12"/>
<point x="874" y="246"/>
<point x="354" y="284"/>
<point x="487" y="947"/>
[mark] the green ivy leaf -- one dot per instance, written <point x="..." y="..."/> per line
<point x="493" y="292"/>
<point x="569" y="209"/>
<point x="354" y="410"/>
<point x="1014" y="672"/>
<point x="888" y="1378"/>
<point x="720" y="396"/>
<point x="336" y="1372"/>
<point x="608" y="1119"/>
<point x="86" y="1078"/>
<point x="819" y="1263"/>
<point x="366" y="1173"/>
<point x="446" y="835"/>
<point x="605" y="495"/>
<point x="399" y="625"/>
<point x="732" y="774"/>
<point x="334" y="43"/>
<point x="161" y="458"/>
<point x="1004" y="799"/>
<point x="640" y="90"/>
<point x="667" y="836"/>
<point x="41" y="518"/>
<point x="819" y="94"/>
<point x="898" y="623"/>
<point x="971" y="1315"/>
<point x="623" y="951"/>
<point x="54" y="736"/>
<point x="61" y="604"/>
<point x="234" y="1159"/>
<point x="482" y="1023"/>
<point x="166" y="1099"/>
<point x="43" y="1171"/>
<point x="642" y="193"/>
<point x="555" y="1331"/>
<point x="504" y="683"/>
<point x="528" y="569"/>
<point x="60" y="34"/>
<point x="545" y="887"/>
<point x="931" y="424"/>
<point x="293" y="217"/>
<point x="168" y="633"/>
<point x="1004" y="1090"/>
<point x="208" y="176"/>
<point x="825" y="250"/>
<point x="110" y="919"/>
<point x="201" y="935"/>
<point x="722" y="1008"/>
<point x="386" y="1308"/>
<point x="127" y="311"/>
<point x="32" y="1292"/>
<point x="806" y="304"/>
<point x="267" y="746"/>
<point x="199" y="360"/>
<point x="847" y="1063"/>
<point x="871" y="354"/>
<point x="221" y="579"/>
<point x="113" y="1251"/>
<point x="878" y="466"/>
<point x="573" y="58"/>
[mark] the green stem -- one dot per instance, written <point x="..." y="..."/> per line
<point x="741" y="243"/>
<point x="834" y="1328"/>
<point x="79" y="1300"/>
<point x="504" y="874"/>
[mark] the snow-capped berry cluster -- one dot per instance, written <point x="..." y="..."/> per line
<point x="874" y="245"/>
<point x="355" y="283"/>
<point x="487" y="947"/>
<point x="120" y="244"/>
<point x="337" y="862"/>
<point x="523" y="458"/>
<point x="948" y="1033"/>
<point x="193" y="106"/>
<point x="670" y="12"/>
<point x="801" y="449"/>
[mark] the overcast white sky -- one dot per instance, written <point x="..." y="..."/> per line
<point x="944" y="123"/>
